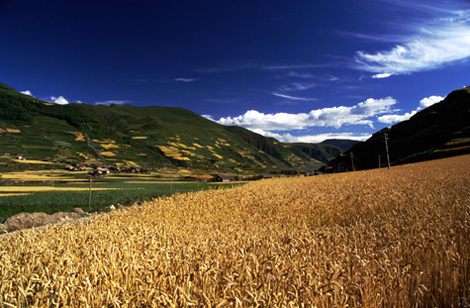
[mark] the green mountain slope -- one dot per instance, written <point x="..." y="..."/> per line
<point x="440" y="130"/>
<point x="343" y="144"/>
<point x="148" y="137"/>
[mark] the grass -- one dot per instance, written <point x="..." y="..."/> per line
<point x="71" y="190"/>
<point x="45" y="175"/>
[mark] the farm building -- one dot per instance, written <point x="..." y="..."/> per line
<point x="225" y="178"/>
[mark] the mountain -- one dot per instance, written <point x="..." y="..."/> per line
<point x="438" y="131"/>
<point x="147" y="137"/>
<point x="343" y="144"/>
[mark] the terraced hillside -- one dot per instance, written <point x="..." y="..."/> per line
<point x="146" y="137"/>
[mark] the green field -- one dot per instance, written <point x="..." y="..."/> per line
<point x="71" y="190"/>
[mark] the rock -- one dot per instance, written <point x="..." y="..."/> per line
<point x="31" y="220"/>
<point x="112" y="207"/>
<point x="79" y="211"/>
<point x="63" y="216"/>
<point x="119" y="206"/>
<point x="26" y="220"/>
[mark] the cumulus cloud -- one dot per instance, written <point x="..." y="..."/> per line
<point x="27" y="92"/>
<point x="256" y="120"/>
<point x="424" y="103"/>
<point x="281" y="137"/>
<point x="428" y="101"/>
<point x="395" y="118"/>
<point x="59" y="100"/>
<point x="429" y="49"/>
<point x="288" y="138"/>
<point x="359" y="114"/>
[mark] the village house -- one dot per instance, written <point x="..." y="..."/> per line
<point x="115" y="168"/>
<point x="100" y="170"/>
<point x="225" y="178"/>
<point x="265" y="176"/>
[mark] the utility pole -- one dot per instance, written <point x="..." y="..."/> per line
<point x="89" y="194"/>
<point x="352" y="162"/>
<point x="386" y="148"/>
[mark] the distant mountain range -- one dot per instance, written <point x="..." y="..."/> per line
<point x="146" y="137"/>
<point x="438" y="131"/>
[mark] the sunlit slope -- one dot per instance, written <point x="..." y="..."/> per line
<point x="148" y="137"/>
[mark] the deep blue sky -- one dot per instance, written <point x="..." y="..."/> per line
<point x="296" y="70"/>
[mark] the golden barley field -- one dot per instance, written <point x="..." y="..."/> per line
<point x="379" y="238"/>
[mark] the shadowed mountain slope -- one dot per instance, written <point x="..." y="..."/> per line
<point x="441" y="130"/>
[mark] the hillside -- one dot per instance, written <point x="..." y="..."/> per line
<point x="146" y="137"/>
<point x="343" y="144"/>
<point x="441" y="130"/>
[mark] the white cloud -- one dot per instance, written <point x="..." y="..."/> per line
<point x="384" y="75"/>
<point x="395" y="118"/>
<point x="282" y="138"/>
<point x="297" y="86"/>
<point x="322" y="137"/>
<point x="461" y="16"/>
<point x="432" y="47"/>
<point x="253" y="119"/>
<point x="209" y="117"/>
<point x="288" y="138"/>
<point x="295" y="98"/>
<point x="359" y="114"/>
<point x="27" y="92"/>
<point x="59" y="100"/>
<point x="305" y="75"/>
<point x="428" y="101"/>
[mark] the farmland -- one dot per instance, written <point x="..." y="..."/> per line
<point x="378" y="238"/>
<point x="55" y="190"/>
